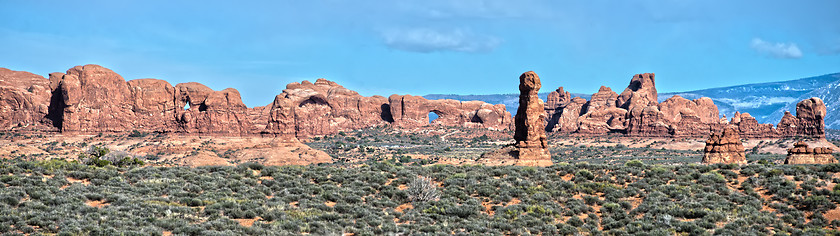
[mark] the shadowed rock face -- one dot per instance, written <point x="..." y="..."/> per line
<point x="802" y="154"/>
<point x="724" y="148"/>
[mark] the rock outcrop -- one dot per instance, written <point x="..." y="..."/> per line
<point x="308" y="109"/>
<point x="809" y="120"/>
<point x="531" y="142"/>
<point x="24" y="100"/>
<point x="96" y="99"/>
<point x="802" y="154"/>
<point x="640" y="93"/>
<point x="724" y="148"/>
<point x="92" y="99"/>
<point x="413" y="111"/>
<point x="200" y="109"/>
<point x="636" y="112"/>
<point x="530" y="147"/>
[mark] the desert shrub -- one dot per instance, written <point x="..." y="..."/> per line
<point x="422" y="189"/>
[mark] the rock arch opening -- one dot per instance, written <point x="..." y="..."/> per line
<point x="313" y="101"/>
<point x="476" y="119"/>
<point x="386" y="113"/>
<point x="55" y="111"/>
<point x="433" y="115"/>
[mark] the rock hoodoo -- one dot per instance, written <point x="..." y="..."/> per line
<point x="530" y="147"/>
<point x="724" y="148"/>
<point x="802" y="154"/>
<point x="530" y="136"/>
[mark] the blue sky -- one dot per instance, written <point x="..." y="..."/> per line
<point x="432" y="46"/>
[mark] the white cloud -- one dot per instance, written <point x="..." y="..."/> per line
<point x="777" y="50"/>
<point x="426" y="40"/>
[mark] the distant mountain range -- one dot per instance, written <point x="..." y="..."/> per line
<point x="764" y="101"/>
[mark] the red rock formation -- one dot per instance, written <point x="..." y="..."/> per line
<point x="750" y="128"/>
<point x="209" y="111"/>
<point x="306" y="109"/>
<point x="602" y="121"/>
<point x="531" y="147"/>
<point x="676" y="116"/>
<point x="788" y="125"/>
<point x="647" y="122"/>
<point x="605" y="98"/>
<point x="530" y="136"/>
<point x="24" y="100"/>
<point x="691" y="118"/>
<point x="600" y="114"/>
<point x="567" y="119"/>
<point x="556" y="100"/>
<point x="724" y="148"/>
<point x="811" y="114"/>
<point x="152" y="104"/>
<point x="802" y="154"/>
<point x="409" y="111"/>
<point x="674" y="108"/>
<point x="95" y="100"/>
<point x="640" y="93"/>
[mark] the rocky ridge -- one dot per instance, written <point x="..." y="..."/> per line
<point x="637" y="112"/>
<point x="92" y="99"/>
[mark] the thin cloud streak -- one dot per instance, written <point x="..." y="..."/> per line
<point x="776" y="50"/>
<point x="426" y="40"/>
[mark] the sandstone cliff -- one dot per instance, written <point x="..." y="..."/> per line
<point x="92" y="99"/>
